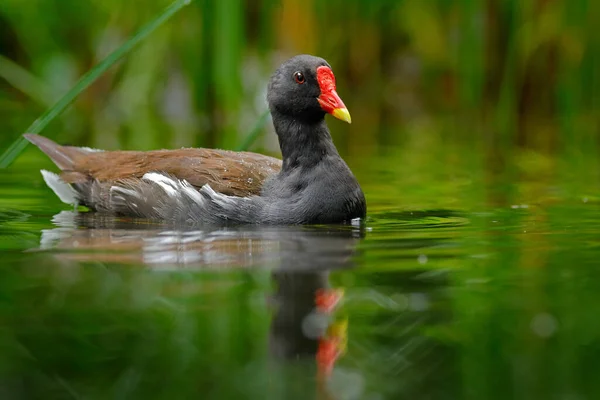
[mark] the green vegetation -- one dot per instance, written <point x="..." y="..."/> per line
<point x="501" y="74"/>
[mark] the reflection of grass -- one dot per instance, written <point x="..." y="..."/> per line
<point x="161" y="334"/>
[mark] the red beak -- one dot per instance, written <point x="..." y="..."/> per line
<point x="329" y="100"/>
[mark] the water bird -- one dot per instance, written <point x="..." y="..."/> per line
<point x="311" y="184"/>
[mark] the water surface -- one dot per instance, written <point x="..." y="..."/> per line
<point x="462" y="283"/>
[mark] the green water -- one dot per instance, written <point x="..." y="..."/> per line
<point x="469" y="280"/>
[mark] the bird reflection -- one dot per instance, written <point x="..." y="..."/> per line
<point x="141" y="242"/>
<point x="299" y="257"/>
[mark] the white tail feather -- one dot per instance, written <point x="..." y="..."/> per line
<point x="63" y="190"/>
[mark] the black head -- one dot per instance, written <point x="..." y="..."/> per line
<point x="303" y="87"/>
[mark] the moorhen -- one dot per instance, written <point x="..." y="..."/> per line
<point x="311" y="184"/>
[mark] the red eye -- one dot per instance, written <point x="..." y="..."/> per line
<point x="299" y="77"/>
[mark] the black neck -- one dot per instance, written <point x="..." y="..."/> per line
<point x="302" y="144"/>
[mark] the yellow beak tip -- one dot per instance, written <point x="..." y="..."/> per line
<point x="342" y="114"/>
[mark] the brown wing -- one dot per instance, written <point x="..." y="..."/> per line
<point x="228" y="172"/>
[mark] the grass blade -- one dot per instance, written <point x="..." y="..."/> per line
<point x="86" y="80"/>
<point x="255" y="132"/>
<point x="20" y="78"/>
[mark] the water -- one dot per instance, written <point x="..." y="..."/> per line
<point x="463" y="283"/>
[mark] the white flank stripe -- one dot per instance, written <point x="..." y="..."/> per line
<point x="167" y="184"/>
<point x="191" y="192"/>
<point x="122" y="190"/>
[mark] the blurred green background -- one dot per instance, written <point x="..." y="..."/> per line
<point x="475" y="137"/>
<point x="500" y="74"/>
